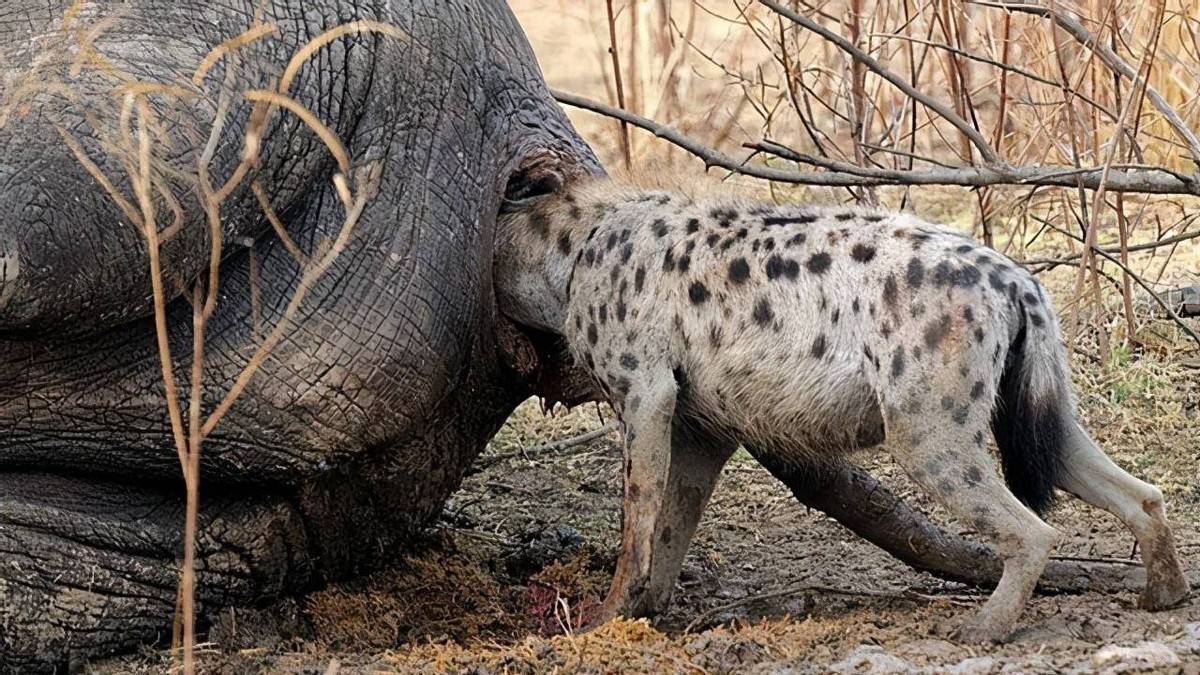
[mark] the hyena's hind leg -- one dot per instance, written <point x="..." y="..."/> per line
<point x="942" y="449"/>
<point x="1090" y="475"/>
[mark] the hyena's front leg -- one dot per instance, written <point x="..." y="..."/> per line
<point x="668" y="480"/>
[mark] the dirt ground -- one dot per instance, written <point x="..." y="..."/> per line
<point x="523" y="553"/>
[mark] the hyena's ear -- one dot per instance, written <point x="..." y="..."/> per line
<point x="531" y="183"/>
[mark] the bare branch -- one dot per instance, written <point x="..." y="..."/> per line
<point x="1143" y="180"/>
<point x="977" y="139"/>
<point x="1111" y="59"/>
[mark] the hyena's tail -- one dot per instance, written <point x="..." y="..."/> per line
<point x="1034" y="410"/>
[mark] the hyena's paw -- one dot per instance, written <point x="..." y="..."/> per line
<point x="1164" y="589"/>
<point x="981" y="629"/>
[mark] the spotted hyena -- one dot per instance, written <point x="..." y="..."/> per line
<point x="802" y="333"/>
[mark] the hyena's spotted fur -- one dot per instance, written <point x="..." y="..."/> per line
<point x="803" y="332"/>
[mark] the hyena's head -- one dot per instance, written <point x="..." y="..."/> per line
<point x="539" y="233"/>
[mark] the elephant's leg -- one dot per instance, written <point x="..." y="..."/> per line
<point x="88" y="568"/>
<point x="866" y="507"/>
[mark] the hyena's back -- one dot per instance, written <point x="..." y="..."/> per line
<point x="801" y="328"/>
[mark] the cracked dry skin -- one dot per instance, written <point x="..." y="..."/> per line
<point x="367" y="414"/>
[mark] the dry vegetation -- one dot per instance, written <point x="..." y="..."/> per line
<point x="524" y="550"/>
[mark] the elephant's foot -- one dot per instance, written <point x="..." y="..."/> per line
<point x="88" y="569"/>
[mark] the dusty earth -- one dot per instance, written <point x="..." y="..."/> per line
<point x="523" y="552"/>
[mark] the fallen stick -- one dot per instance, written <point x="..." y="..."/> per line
<point x="552" y="447"/>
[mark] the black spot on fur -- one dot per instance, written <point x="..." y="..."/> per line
<point x="979" y="438"/>
<point x="973" y="476"/>
<point x="936" y="331"/>
<point x="946" y="274"/>
<point x="724" y="217"/>
<point x="977" y="390"/>
<point x="1036" y="319"/>
<point x="698" y="293"/>
<point x="668" y="261"/>
<point x="603" y="313"/>
<point x="960" y="414"/>
<point x="622" y="385"/>
<point x="639" y="279"/>
<point x="818" y="263"/>
<point x="873" y="218"/>
<point x="685" y="263"/>
<point x="763" y="314"/>
<point x="775" y="221"/>
<point x="626" y="253"/>
<point x="575" y="212"/>
<point x="712" y="239"/>
<point x="964" y="248"/>
<point x="979" y="335"/>
<point x="855" y="306"/>
<point x="660" y="228"/>
<point x="592" y="334"/>
<point x="818" y="347"/>
<point x="795" y="240"/>
<point x="898" y="362"/>
<point x="629" y="361"/>
<point x="862" y="253"/>
<point x="890" y="291"/>
<point x="612" y="241"/>
<point x="996" y="280"/>
<point x="969" y="315"/>
<point x="739" y="270"/>
<point x="564" y="242"/>
<point x="621" y="309"/>
<point x="835" y="315"/>
<point x="693" y="226"/>
<point x="915" y="273"/>
<point x="589" y="257"/>
<point x="778" y="266"/>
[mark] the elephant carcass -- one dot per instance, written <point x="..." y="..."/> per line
<point x="363" y="419"/>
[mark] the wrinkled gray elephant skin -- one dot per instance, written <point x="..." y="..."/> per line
<point x="365" y="417"/>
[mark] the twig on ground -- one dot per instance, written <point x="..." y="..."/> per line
<point x="1109" y="561"/>
<point x="908" y="594"/>
<point x="548" y="448"/>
